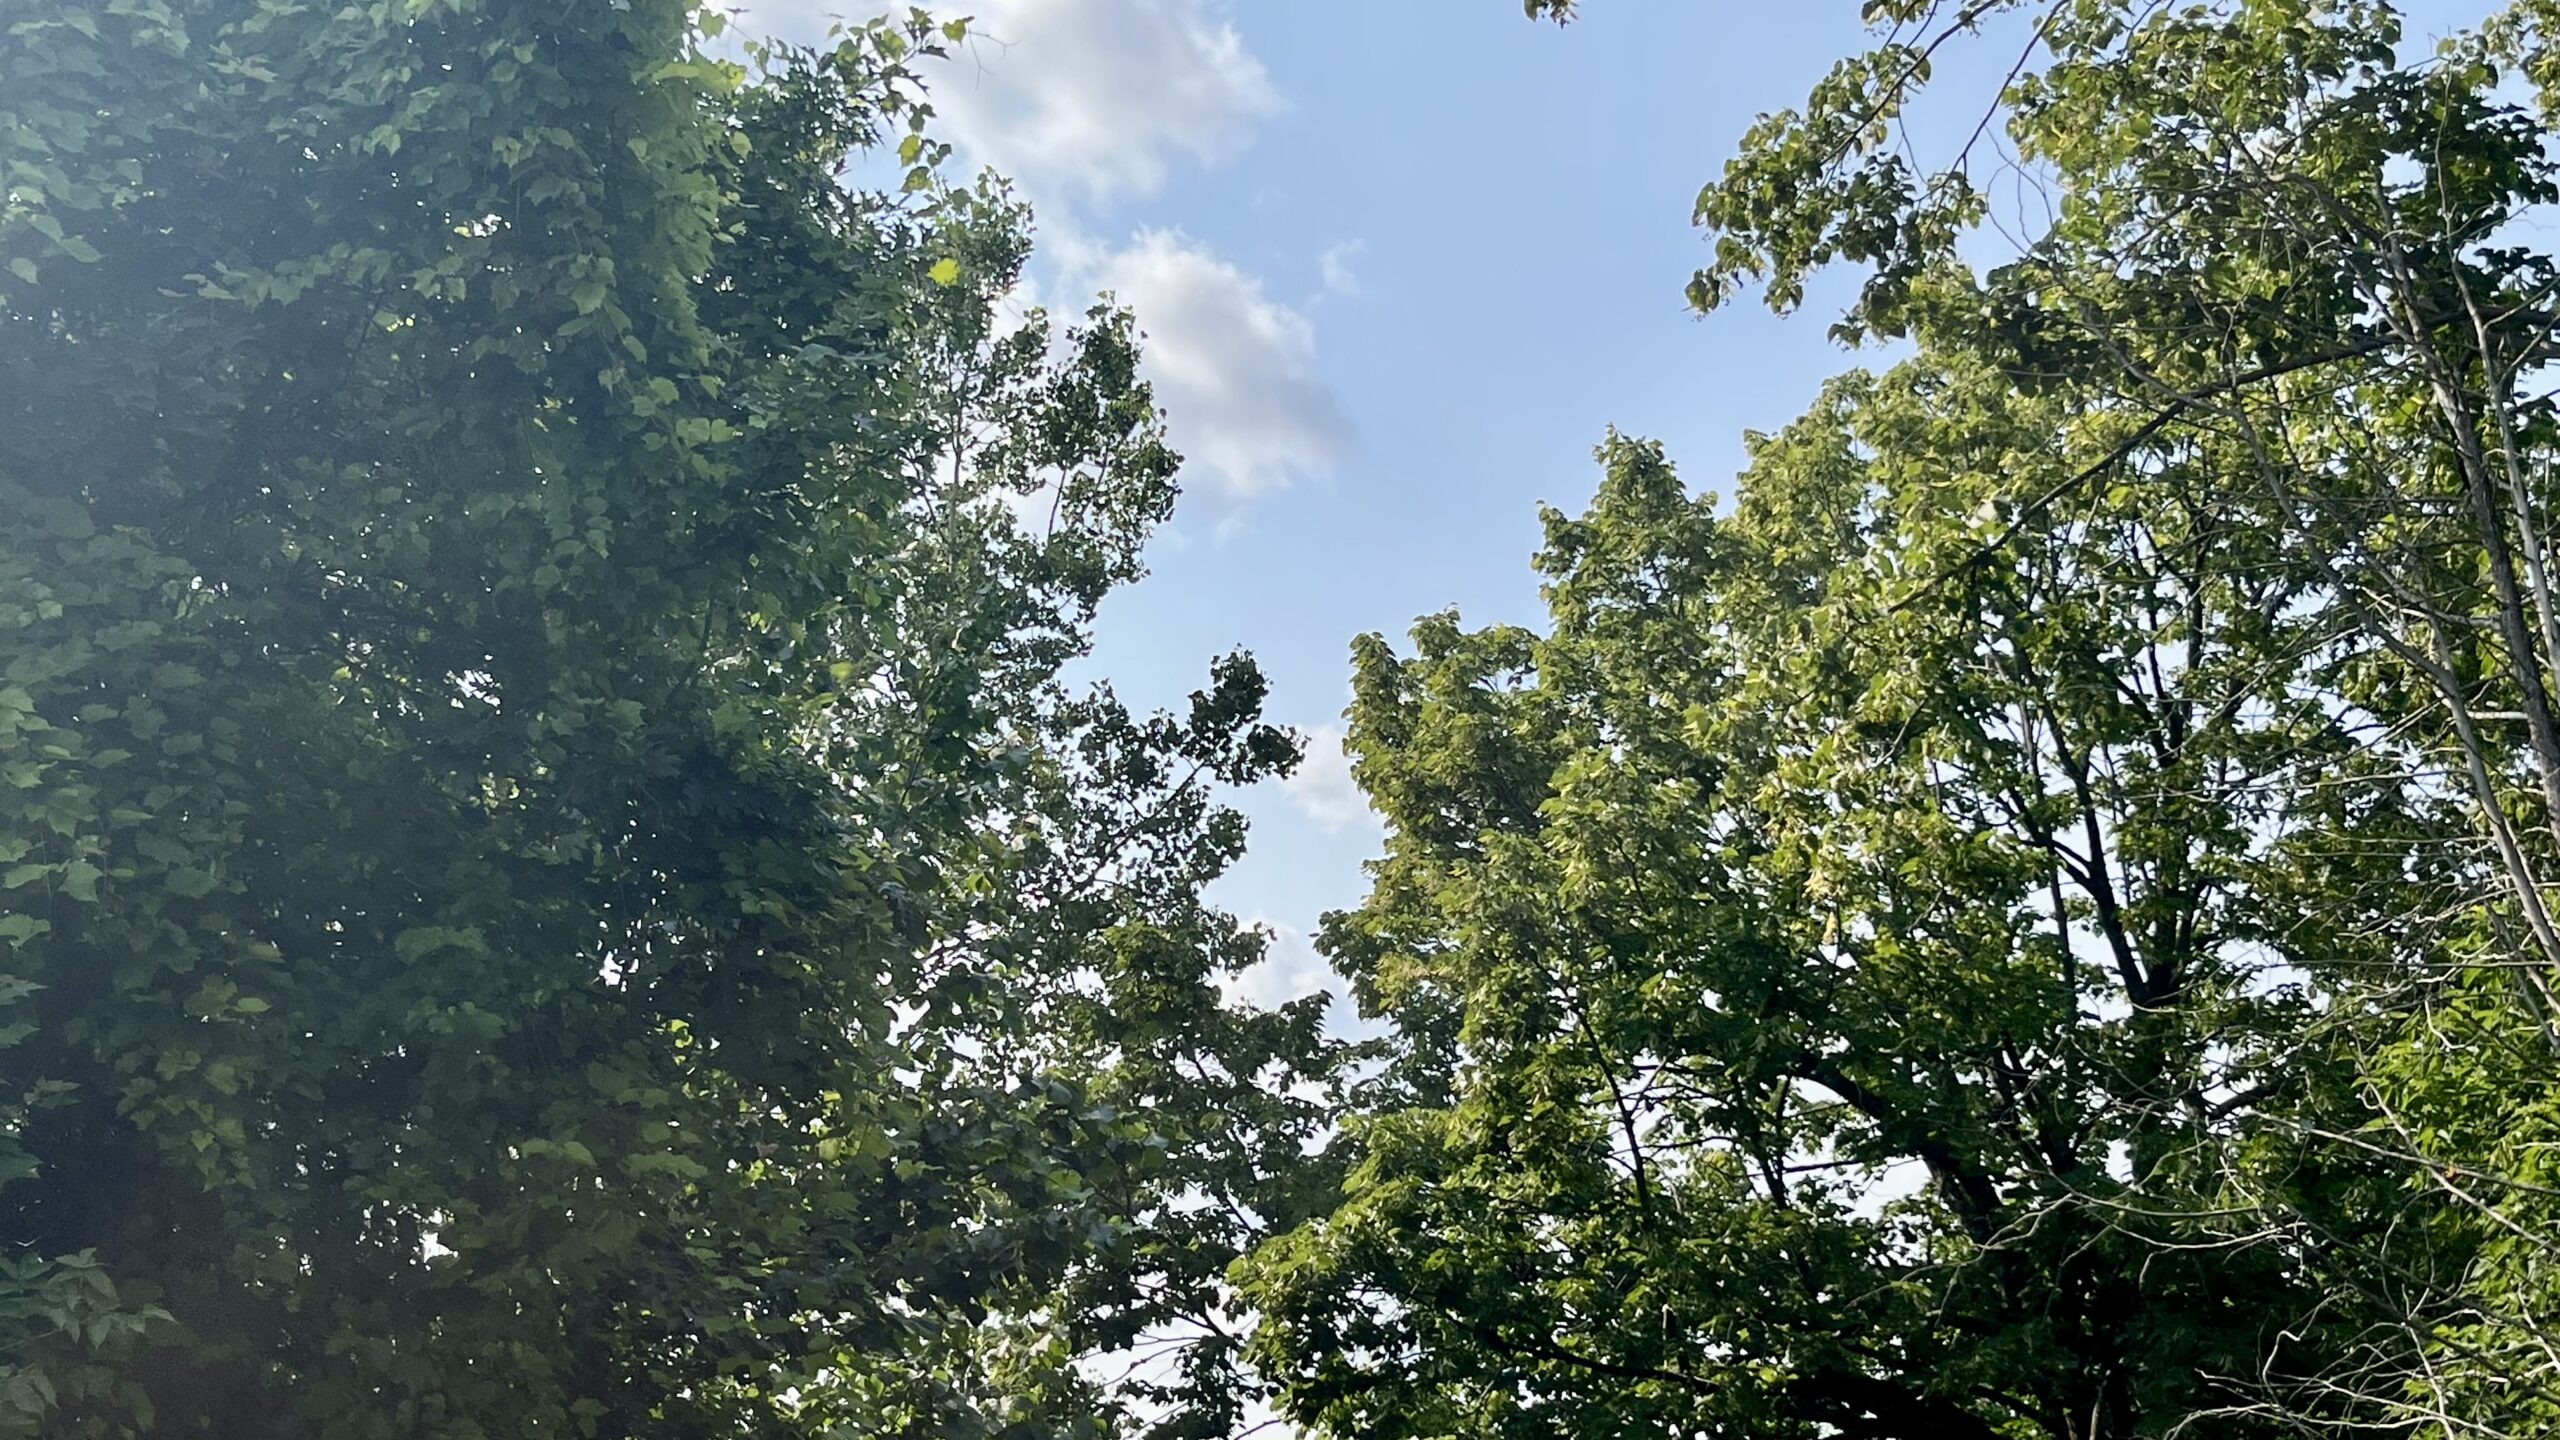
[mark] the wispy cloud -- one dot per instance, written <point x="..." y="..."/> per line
<point x="1290" y="969"/>
<point x="1233" y="368"/>
<point x="1085" y="98"/>
<point x="1334" y="266"/>
<point x="1323" y="787"/>
<point x="1089" y="105"/>
<point x="1102" y="96"/>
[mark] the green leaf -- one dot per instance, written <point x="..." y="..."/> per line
<point x="189" y="882"/>
<point x="945" y="271"/>
<point x="80" y="880"/>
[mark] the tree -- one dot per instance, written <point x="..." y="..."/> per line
<point x="1747" y="888"/>
<point x="2102" y="765"/>
<point x="550" y="884"/>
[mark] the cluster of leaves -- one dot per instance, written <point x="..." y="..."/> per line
<point x="2033" y="919"/>
<point x="549" y="884"/>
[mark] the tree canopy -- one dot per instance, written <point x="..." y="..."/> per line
<point x="2031" y="919"/>
<point x="549" y="882"/>
<point x="553" y="882"/>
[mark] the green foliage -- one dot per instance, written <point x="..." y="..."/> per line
<point x="549" y="883"/>
<point x="2033" y="919"/>
<point x="1820" y="1010"/>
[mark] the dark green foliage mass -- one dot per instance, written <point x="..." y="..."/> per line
<point x="549" y="885"/>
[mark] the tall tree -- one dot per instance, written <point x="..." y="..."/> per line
<point x="2101" y="769"/>
<point x="549" y="884"/>
<point x="1824" y="1014"/>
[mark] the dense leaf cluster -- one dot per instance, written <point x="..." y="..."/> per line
<point x="549" y="885"/>
<point x="2033" y="918"/>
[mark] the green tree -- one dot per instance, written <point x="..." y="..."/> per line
<point x="2101" y="769"/>
<point x="1824" y="1014"/>
<point x="2278" y="225"/>
<point x="549" y="883"/>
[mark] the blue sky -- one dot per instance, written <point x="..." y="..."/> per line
<point x="1401" y="265"/>
<point x="1511" y="204"/>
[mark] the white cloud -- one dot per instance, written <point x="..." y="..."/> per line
<point x="1094" y="96"/>
<point x="1323" y="786"/>
<point x="1233" y="368"/>
<point x="1101" y="95"/>
<point x="1334" y="265"/>
<point x="1086" y="102"/>
<point x="1290" y="969"/>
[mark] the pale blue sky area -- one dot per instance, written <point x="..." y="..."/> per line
<point x="1402" y="262"/>
<point x="1519" y="197"/>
